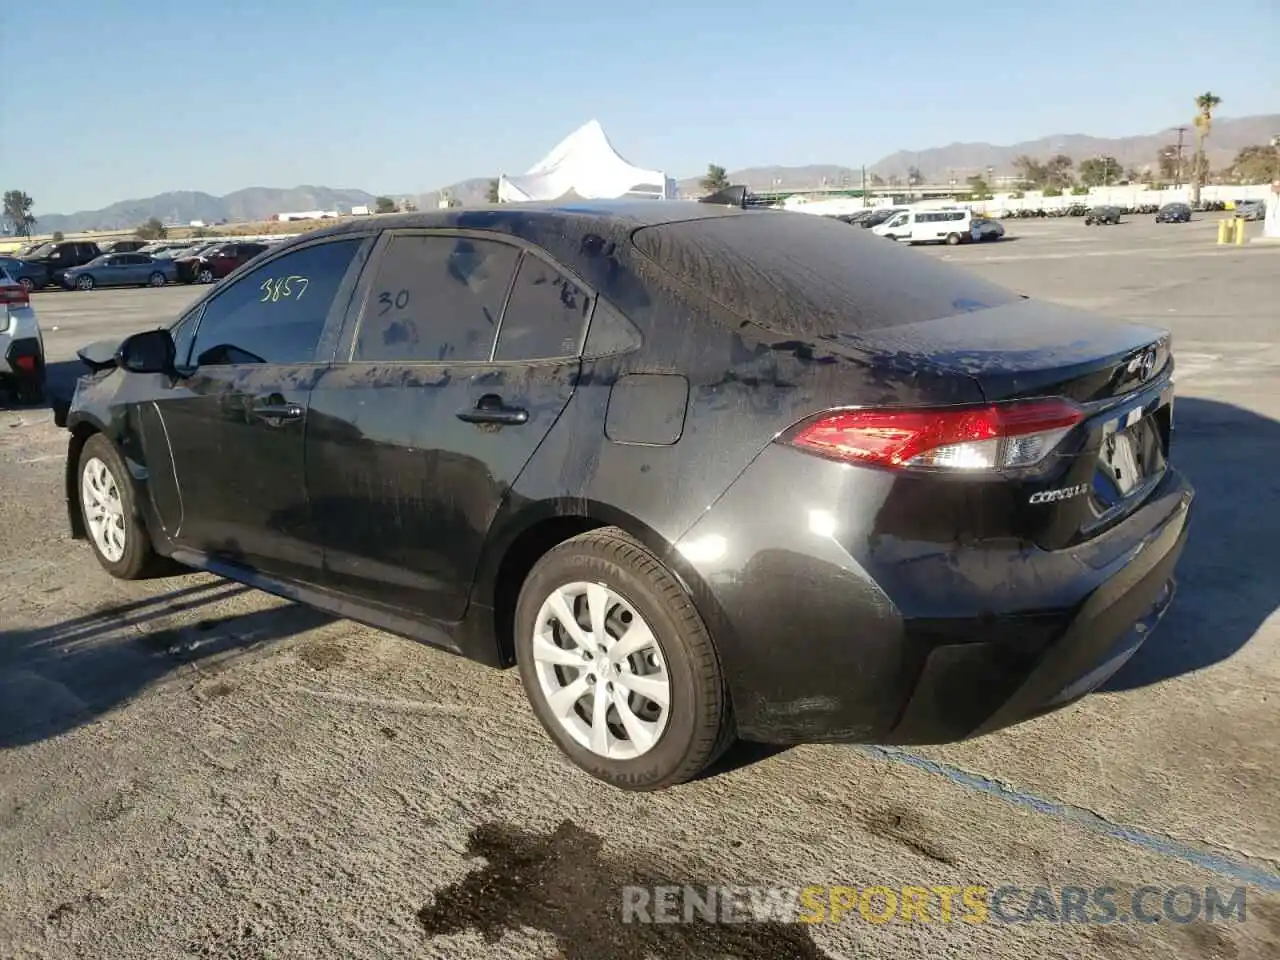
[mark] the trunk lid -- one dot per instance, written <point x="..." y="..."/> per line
<point x="1027" y="349"/>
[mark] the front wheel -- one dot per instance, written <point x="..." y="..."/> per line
<point x="84" y="282"/>
<point x="205" y="276"/>
<point x="111" y="518"/>
<point x="618" y="665"/>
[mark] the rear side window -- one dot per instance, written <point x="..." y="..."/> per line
<point x="546" y="315"/>
<point x="435" y="299"/>
<point x="797" y="274"/>
<point x="276" y="313"/>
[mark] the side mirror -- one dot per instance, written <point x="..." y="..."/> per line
<point x="151" y="351"/>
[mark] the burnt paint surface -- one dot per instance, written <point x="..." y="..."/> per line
<point x="825" y="586"/>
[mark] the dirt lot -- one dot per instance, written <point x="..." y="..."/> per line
<point x="188" y="768"/>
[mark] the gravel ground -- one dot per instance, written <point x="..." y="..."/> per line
<point x="189" y="768"/>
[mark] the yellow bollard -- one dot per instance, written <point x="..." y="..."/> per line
<point x="1239" y="232"/>
<point x="1224" y="231"/>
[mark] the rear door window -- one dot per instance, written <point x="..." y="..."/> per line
<point x="277" y="312"/>
<point x="435" y="299"/>
<point x="546" y="315"/>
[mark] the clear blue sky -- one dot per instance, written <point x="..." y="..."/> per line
<point x="103" y="100"/>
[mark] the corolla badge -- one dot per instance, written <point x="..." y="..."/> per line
<point x="1054" y="496"/>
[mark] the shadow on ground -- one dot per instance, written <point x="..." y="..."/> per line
<point x="53" y="679"/>
<point x="1229" y="575"/>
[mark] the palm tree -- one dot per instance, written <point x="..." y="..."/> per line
<point x="1205" y="103"/>
<point x="715" y="180"/>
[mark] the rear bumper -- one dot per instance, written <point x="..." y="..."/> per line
<point x="966" y="690"/>
<point x="837" y="627"/>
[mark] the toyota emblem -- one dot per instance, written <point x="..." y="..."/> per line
<point x="1147" y="365"/>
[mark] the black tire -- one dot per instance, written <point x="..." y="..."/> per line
<point x="157" y="279"/>
<point x="953" y="239"/>
<point x="699" y="726"/>
<point x="84" y="282"/>
<point x="205" y="276"/>
<point x="139" y="559"/>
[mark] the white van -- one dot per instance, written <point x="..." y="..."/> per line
<point x="928" y="226"/>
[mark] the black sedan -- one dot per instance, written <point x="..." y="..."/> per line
<point x="699" y="472"/>
<point x="1174" y="213"/>
<point x="1099" y="216"/>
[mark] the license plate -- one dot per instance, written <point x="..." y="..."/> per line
<point x="1131" y="452"/>
<point x="1120" y="459"/>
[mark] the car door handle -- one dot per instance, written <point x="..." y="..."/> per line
<point x="491" y="409"/>
<point x="277" y="410"/>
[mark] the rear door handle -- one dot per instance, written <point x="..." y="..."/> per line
<point x="491" y="409"/>
<point x="275" y="410"/>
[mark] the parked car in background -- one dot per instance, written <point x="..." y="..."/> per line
<point x="545" y="437"/>
<point x="22" y="365"/>
<point x="33" y="276"/>
<point x="1174" y="213"/>
<point x="122" y="270"/>
<point x="1102" y="215"/>
<point x="928" y="226"/>
<point x="1251" y="210"/>
<point x="218" y="261"/>
<point x="984" y="229"/>
<point x="122" y="246"/>
<point x="57" y="258"/>
<point x="880" y="215"/>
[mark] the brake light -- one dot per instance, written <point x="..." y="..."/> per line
<point x="1000" y="436"/>
<point x="14" y="294"/>
<point x="25" y="364"/>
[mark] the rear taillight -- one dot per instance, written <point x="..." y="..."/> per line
<point x="14" y="295"/>
<point x="1002" y="436"/>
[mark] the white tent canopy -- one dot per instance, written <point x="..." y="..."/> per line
<point x="585" y="163"/>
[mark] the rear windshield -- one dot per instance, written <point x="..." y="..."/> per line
<point x="799" y="274"/>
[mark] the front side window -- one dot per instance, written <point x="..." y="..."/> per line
<point x="276" y="313"/>
<point x="546" y="315"/>
<point x="435" y="299"/>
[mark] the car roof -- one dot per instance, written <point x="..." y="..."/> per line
<point x="612" y="216"/>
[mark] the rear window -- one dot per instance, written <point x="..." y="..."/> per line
<point x="798" y="274"/>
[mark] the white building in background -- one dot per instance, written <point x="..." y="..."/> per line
<point x="585" y="164"/>
<point x="361" y="211"/>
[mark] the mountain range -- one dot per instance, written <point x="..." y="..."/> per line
<point x="956" y="160"/>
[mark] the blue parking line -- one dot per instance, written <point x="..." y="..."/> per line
<point x="1222" y="864"/>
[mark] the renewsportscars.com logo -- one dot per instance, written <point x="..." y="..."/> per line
<point x="969" y="904"/>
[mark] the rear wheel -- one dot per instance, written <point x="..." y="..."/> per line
<point x="84" y="282"/>
<point x="618" y="665"/>
<point x="953" y="239"/>
<point x="156" y="279"/>
<point x="116" y="531"/>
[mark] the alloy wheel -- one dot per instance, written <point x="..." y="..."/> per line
<point x="601" y="670"/>
<point x="103" y="509"/>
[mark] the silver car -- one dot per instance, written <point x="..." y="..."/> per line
<point x="21" y="343"/>
<point x="122" y="270"/>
